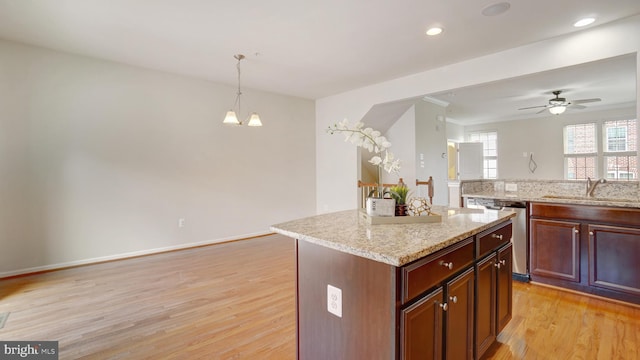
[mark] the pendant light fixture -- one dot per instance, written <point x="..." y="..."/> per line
<point x="232" y="117"/>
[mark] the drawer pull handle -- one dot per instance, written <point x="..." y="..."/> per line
<point x="500" y="263"/>
<point x="591" y="233"/>
<point x="454" y="299"/>
<point x="444" y="306"/>
<point x="448" y="265"/>
<point x="496" y="236"/>
<point x="576" y="231"/>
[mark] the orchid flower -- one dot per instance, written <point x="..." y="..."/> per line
<point x="369" y="139"/>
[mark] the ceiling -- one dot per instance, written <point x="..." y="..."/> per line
<point x="309" y="49"/>
<point x="611" y="80"/>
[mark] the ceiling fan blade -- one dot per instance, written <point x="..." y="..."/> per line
<point x="541" y="111"/>
<point x="533" y="107"/>
<point x="576" y="106"/>
<point x="584" y="101"/>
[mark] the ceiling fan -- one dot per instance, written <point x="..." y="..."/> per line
<point x="558" y="105"/>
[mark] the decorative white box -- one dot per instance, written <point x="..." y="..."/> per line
<point x="381" y="207"/>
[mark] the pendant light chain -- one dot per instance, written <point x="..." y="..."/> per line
<point x="239" y="94"/>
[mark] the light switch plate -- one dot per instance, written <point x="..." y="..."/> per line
<point x="334" y="300"/>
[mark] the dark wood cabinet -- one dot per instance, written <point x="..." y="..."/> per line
<point x="505" y="287"/>
<point x="472" y="302"/>
<point x="421" y="328"/>
<point x="422" y="310"/>
<point x="619" y="246"/>
<point x="441" y="323"/>
<point x="593" y="249"/>
<point x="433" y="270"/>
<point x="458" y="341"/>
<point x="555" y="249"/>
<point x="494" y="291"/>
<point x="486" y="329"/>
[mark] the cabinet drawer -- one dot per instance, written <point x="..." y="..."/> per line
<point x="583" y="213"/>
<point x="492" y="239"/>
<point x="424" y="274"/>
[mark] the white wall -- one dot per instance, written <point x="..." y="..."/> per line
<point x="543" y="137"/>
<point x="336" y="164"/>
<point x="100" y="160"/>
<point x="403" y="147"/>
<point x="431" y="141"/>
<point x="455" y="132"/>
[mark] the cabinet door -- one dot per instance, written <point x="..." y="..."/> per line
<point x="505" y="282"/>
<point x="555" y="249"/>
<point x="459" y="316"/>
<point x="421" y="328"/>
<point x="486" y="300"/>
<point x="614" y="258"/>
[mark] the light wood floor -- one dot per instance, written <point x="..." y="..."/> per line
<point x="226" y="301"/>
<point x="236" y="301"/>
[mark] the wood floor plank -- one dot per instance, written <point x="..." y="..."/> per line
<point x="236" y="301"/>
<point x="226" y="301"/>
<point x="555" y="324"/>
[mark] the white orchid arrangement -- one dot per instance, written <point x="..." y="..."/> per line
<point x="371" y="140"/>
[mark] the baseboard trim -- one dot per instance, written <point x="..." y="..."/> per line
<point x="129" y="255"/>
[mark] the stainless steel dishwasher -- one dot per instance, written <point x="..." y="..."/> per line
<point x="519" y="237"/>
<point x="519" y="233"/>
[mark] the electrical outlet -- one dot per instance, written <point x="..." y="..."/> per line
<point x="511" y="187"/>
<point x="334" y="300"/>
<point x="181" y="222"/>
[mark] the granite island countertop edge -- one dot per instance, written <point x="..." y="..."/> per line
<point x="380" y="251"/>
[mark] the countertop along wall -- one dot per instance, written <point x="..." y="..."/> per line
<point x="99" y="160"/>
<point x="336" y="161"/>
<point x="611" y="193"/>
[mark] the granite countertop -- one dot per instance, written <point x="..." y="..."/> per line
<point x="561" y="199"/>
<point x="393" y="244"/>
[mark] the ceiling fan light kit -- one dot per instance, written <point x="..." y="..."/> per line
<point x="558" y="105"/>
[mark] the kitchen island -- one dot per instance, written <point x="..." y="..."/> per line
<point x="401" y="291"/>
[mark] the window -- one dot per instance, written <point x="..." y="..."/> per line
<point x="580" y="151"/>
<point x="489" y="139"/>
<point x="616" y="138"/>
<point x="614" y="158"/>
<point x="620" y="150"/>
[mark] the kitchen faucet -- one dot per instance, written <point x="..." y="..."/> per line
<point x="591" y="186"/>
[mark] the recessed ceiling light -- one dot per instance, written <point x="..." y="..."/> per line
<point x="434" y="31"/>
<point x="584" y="22"/>
<point x="496" y="9"/>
